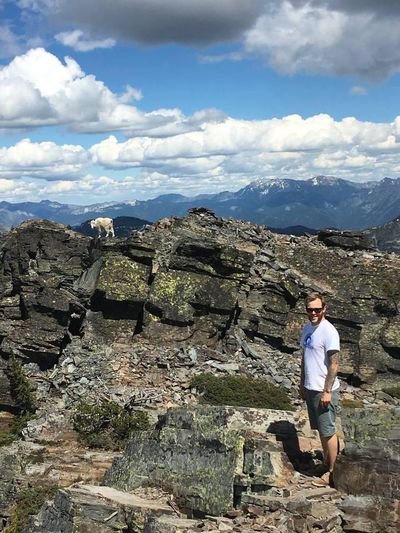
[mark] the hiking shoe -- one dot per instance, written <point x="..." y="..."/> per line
<point x="323" y="481"/>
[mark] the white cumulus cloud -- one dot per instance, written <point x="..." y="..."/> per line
<point x="9" y="42"/>
<point x="326" y="38"/>
<point x="77" y="40"/>
<point x="235" y="150"/>
<point x="45" y="160"/>
<point x="37" y="89"/>
<point x="219" y="156"/>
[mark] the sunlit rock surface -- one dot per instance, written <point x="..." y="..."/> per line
<point x="208" y="455"/>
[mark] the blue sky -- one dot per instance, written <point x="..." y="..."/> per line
<point x="108" y="101"/>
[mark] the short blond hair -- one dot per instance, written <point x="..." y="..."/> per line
<point x="315" y="296"/>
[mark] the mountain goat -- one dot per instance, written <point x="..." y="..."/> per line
<point x="105" y="224"/>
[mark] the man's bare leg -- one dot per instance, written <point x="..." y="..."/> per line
<point x="324" y="449"/>
<point x="330" y="447"/>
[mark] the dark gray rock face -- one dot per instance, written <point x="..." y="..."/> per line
<point x="177" y="280"/>
<point x="369" y="514"/>
<point x="40" y="262"/>
<point x="349" y="240"/>
<point x="9" y="470"/>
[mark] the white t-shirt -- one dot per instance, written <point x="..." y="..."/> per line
<point x="316" y="341"/>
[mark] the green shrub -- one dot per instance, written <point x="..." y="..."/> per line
<point x="29" y="501"/>
<point x="240" y="391"/>
<point x="106" y="425"/>
<point x="393" y="391"/>
<point x="352" y="404"/>
<point x="391" y="289"/>
<point x="22" y="390"/>
<point x="14" y="430"/>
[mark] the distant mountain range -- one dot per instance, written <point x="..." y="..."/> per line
<point x="319" y="202"/>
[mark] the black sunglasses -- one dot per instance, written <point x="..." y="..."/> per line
<point x="314" y="309"/>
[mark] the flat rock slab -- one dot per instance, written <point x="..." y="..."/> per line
<point x="84" y="508"/>
<point x="170" y="524"/>
<point x="309" y="514"/>
<point x="279" y="502"/>
<point x="118" y="497"/>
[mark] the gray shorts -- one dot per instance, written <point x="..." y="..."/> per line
<point x="322" y="418"/>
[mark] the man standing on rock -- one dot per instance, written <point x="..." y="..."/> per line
<point x="319" y="384"/>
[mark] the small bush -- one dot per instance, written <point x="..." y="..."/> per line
<point x="393" y="391"/>
<point x="14" y="430"/>
<point x="22" y="390"/>
<point x="352" y="404"/>
<point x="106" y="425"/>
<point x="29" y="501"/>
<point x="240" y="391"/>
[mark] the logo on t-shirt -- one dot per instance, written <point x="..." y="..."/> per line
<point x="307" y="343"/>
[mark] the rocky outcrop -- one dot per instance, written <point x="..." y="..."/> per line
<point x="207" y="456"/>
<point x="196" y="281"/>
<point x="198" y="277"/>
<point x="348" y="240"/>
<point x="300" y="511"/>
<point x="386" y="237"/>
<point x="84" y="508"/>
<point x="199" y="460"/>
<point x="40" y="261"/>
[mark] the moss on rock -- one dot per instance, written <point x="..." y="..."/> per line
<point x="176" y="294"/>
<point x="122" y="279"/>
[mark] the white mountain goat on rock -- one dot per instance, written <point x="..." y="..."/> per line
<point x="105" y="224"/>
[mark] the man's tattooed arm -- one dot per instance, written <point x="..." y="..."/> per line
<point x="333" y="366"/>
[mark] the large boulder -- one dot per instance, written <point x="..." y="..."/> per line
<point x="370" y="464"/>
<point x="368" y="472"/>
<point x="350" y="240"/>
<point x="207" y="456"/>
